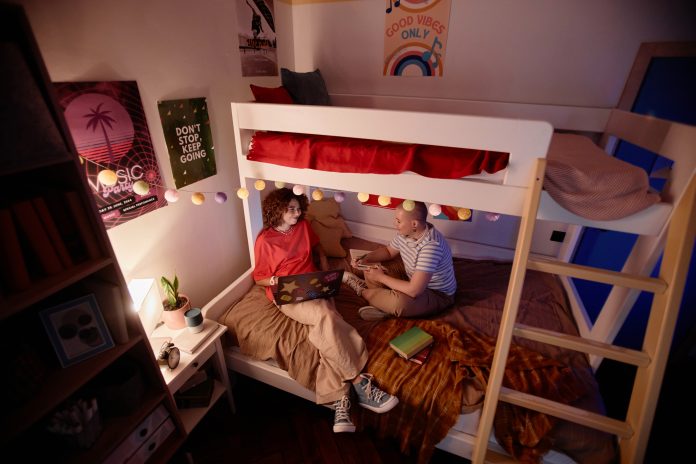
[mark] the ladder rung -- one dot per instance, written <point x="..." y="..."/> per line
<point x="648" y="284"/>
<point x="605" y="350"/>
<point x="563" y="411"/>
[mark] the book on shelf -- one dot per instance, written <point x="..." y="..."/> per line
<point x="14" y="273"/>
<point x="66" y="225"/>
<point x="422" y="356"/>
<point x="356" y="254"/>
<point x="52" y="230"/>
<point x="195" y="397"/>
<point x="79" y="212"/>
<point x="189" y="342"/>
<point x="37" y="238"/>
<point x="411" y="342"/>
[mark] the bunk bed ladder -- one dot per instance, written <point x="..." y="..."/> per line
<point x="633" y="433"/>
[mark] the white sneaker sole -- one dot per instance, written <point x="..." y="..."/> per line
<point x="387" y="406"/>
<point x="343" y="428"/>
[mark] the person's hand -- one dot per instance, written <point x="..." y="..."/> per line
<point x="375" y="272"/>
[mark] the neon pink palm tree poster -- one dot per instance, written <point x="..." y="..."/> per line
<point x="109" y="130"/>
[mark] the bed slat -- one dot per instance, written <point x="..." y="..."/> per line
<point x="563" y="411"/>
<point x="648" y="284"/>
<point x="618" y="353"/>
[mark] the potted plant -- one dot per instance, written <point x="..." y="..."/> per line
<point x="175" y="304"/>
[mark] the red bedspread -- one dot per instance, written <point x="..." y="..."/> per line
<point x="341" y="154"/>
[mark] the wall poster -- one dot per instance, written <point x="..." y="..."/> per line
<point x="415" y="37"/>
<point x="189" y="141"/>
<point x="108" y="127"/>
<point x="257" y="38"/>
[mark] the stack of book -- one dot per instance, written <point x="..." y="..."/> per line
<point x="415" y="345"/>
<point x="196" y="392"/>
<point x="43" y="236"/>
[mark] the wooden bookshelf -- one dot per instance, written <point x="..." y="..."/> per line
<point x="55" y="250"/>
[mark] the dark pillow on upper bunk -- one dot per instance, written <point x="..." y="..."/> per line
<point x="271" y="94"/>
<point x="305" y="88"/>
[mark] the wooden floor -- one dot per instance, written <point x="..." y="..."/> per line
<point x="274" y="427"/>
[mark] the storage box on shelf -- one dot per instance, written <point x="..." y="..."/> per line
<point x="54" y="249"/>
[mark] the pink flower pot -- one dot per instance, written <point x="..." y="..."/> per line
<point x="175" y="319"/>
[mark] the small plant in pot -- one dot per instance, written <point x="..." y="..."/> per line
<point x="175" y="304"/>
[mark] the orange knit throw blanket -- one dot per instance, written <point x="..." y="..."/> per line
<point x="430" y="395"/>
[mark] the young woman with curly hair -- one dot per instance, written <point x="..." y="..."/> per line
<point x="284" y="247"/>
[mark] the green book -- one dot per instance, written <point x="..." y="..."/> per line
<point x="411" y="342"/>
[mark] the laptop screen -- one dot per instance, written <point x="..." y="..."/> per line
<point x="303" y="287"/>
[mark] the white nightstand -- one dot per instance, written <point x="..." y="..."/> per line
<point x="210" y="349"/>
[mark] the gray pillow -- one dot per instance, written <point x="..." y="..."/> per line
<point x="305" y="88"/>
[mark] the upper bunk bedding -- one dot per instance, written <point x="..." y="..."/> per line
<point x="580" y="176"/>
<point x="453" y="379"/>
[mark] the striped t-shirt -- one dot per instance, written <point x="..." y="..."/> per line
<point x="430" y="253"/>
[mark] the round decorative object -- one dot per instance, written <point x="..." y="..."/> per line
<point x="435" y="209"/>
<point x="492" y="217"/>
<point x="298" y="190"/>
<point x="363" y="197"/>
<point x="141" y="187"/>
<point x="279" y="184"/>
<point x="384" y="200"/>
<point x="107" y="177"/>
<point x="463" y="213"/>
<point x="317" y="195"/>
<point x="259" y="185"/>
<point x="408" y="205"/>
<point x="339" y="197"/>
<point x="169" y="355"/>
<point x="171" y="195"/>
<point x="221" y="197"/>
<point x="242" y="193"/>
<point x="197" y="198"/>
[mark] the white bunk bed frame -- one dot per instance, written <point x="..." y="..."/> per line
<point x="524" y="131"/>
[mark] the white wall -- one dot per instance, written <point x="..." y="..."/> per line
<point x="173" y="49"/>
<point x="572" y="52"/>
<point x="576" y="52"/>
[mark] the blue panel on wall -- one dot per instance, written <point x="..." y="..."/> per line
<point x="667" y="92"/>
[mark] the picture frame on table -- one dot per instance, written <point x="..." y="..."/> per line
<point x="76" y="329"/>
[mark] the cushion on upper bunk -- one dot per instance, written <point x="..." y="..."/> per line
<point x="587" y="181"/>
<point x="342" y="154"/>
<point x="271" y="94"/>
<point x="306" y="88"/>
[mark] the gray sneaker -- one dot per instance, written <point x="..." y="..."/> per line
<point x="354" y="282"/>
<point x="342" y="422"/>
<point x="373" y="398"/>
<point x="370" y="313"/>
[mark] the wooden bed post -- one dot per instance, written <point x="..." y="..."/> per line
<point x="512" y="301"/>
<point x="661" y="324"/>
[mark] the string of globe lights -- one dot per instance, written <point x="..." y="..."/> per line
<point x="109" y="178"/>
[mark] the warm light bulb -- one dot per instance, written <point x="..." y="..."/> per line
<point x="197" y="198"/>
<point x="242" y="193"/>
<point x="408" y="205"/>
<point x="384" y="200"/>
<point x="259" y="185"/>
<point x="279" y="184"/>
<point x="298" y="190"/>
<point x="221" y="197"/>
<point x="171" y="195"/>
<point x="318" y="195"/>
<point x="339" y="197"/>
<point x="141" y="187"/>
<point x="435" y="209"/>
<point x="363" y="197"/>
<point x="463" y="213"/>
<point x="107" y="177"/>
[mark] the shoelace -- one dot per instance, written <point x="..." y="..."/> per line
<point x="355" y="284"/>
<point x="342" y="410"/>
<point x="373" y="393"/>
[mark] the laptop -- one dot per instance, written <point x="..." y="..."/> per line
<point x="310" y="286"/>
